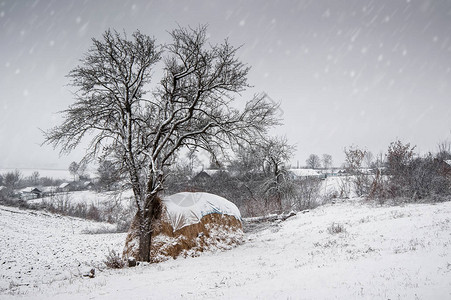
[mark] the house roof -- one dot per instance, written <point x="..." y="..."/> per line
<point x="304" y="172"/>
<point x="64" y="184"/>
<point x="448" y="162"/>
<point x="201" y="175"/>
<point x="31" y="189"/>
<point x="213" y="171"/>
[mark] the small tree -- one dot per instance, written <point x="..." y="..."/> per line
<point x="399" y="167"/>
<point x="353" y="163"/>
<point x="35" y="177"/>
<point x="247" y="161"/>
<point x="369" y="159"/>
<point x="73" y="169"/>
<point x="81" y="172"/>
<point x="444" y="150"/>
<point x="399" y="156"/>
<point x="11" y="180"/>
<point x="313" y="161"/>
<point x="327" y="161"/>
<point x="276" y="152"/>
<point x="308" y="193"/>
<point x="109" y="174"/>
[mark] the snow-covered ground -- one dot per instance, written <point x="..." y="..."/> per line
<point x="88" y="198"/>
<point x="40" y="249"/>
<point x="345" y="250"/>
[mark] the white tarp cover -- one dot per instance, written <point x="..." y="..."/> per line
<point x="186" y="208"/>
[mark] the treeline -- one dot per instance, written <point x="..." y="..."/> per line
<point x="402" y="175"/>
<point x="13" y="180"/>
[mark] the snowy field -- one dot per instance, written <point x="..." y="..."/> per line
<point x="338" y="251"/>
<point x="88" y="198"/>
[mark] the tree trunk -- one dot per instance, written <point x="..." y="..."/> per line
<point x="150" y="214"/>
<point x="145" y="235"/>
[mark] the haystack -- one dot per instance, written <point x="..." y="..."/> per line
<point x="190" y="223"/>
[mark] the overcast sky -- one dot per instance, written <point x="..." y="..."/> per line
<point x="346" y="72"/>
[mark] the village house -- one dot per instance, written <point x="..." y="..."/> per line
<point x="29" y="193"/>
<point x="65" y="187"/>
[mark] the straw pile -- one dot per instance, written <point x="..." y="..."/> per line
<point x="214" y="232"/>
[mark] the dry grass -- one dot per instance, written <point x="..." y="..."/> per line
<point x="215" y="231"/>
<point x="336" y="228"/>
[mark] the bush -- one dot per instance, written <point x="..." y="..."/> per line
<point x="308" y="193"/>
<point x="336" y="228"/>
<point x="410" y="178"/>
<point x="114" y="261"/>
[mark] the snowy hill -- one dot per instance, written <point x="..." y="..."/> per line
<point x="343" y="250"/>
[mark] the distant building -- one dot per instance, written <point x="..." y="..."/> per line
<point x="65" y="187"/>
<point x="88" y="185"/>
<point x="29" y="193"/>
<point x="202" y="177"/>
<point x="305" y="173"/>
<point x="49" y="190"/>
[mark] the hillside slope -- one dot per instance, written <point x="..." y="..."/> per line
<point x="343" y="250"/>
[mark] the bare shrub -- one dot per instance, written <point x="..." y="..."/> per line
<point x="336" y="228"/>
<point x="255" y="208"/>
<point x="344" y="187"/>
<point x="411" y="178"/>
<point x="308" y="193"/>
<point x="353" y="162"/>
<point x="113" y="260"/>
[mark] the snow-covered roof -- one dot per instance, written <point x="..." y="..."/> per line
<point x="186" y="208"/>
<point x="31" y="189"/>
<point x="63" y="185"/>
<point x="213" y="171"/>
<point x="304" y="172"/>
<point x="448" y="161"/>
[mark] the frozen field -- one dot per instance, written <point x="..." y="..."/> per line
<point x="345" y="250"/>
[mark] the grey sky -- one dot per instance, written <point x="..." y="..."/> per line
<point x="346" y="72"/>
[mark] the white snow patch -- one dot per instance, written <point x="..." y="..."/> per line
<point x="383" y="252"/>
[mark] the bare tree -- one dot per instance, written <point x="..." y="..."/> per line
<point x="109" y="174"/>
<point x="399" y="167"/>
<point x="191" y="107"/>
<point x="247" y="160"/>
<point x="444" y="150"/>
<point x="354" y="157"/>
<point x="369" y="159"/>
<point x="380" y="160"/>
<point x="313" y="161"/>
<point x="81" y="172"/>
<point x="276" y="152"/>
<point x="34" y="178"/>
<point x="73" y="169"/>
<point x="327" y="161"/>
<point x="11" y="180"/>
